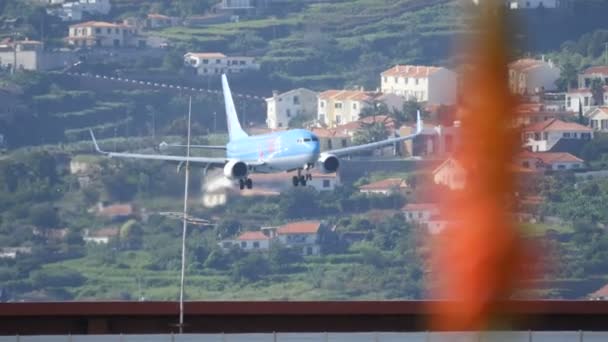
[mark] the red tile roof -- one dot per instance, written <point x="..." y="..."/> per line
<point x="551" y="157"/>
<point x="385" y="184"/>
<point x="345" y="95"/>
<point x="583" y="90"/>
<point x="411" y="71"/>
<point x="98" y="24"/>
<point x="603" y="292"/>
<point x="302" y="227"/>
<point x="526" y="64"/>
<point x="103" y="232"/>
<point x="556" y="125"/>
<point x="420" y="206"/>
<point x="330" y="133"/>
<point x="603" y="69"/>
<point x="117" y="210"/>
<point x="248" y="236"/>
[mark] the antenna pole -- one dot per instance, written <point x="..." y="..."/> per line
<point x="185" y="225"/>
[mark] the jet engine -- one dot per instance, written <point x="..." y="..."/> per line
<point x="235" y="169"/>
<point x="328" y="163"/>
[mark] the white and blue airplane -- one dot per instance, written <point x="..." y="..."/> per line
<point x="285" y="151"/>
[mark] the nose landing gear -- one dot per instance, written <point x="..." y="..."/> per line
<point x="301" y="179"/>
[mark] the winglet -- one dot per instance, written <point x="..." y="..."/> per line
<point x="419" y="123"/>
<point x="95" y="142"/>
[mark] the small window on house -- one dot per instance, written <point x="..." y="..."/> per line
<point x="355" y="106"/>
<point x="296" y="100"/>
<point x="98" y="30"/>
<point x="338" y="105"/>
<point x="322" y="104"/>
<point x="243" y="244"/>
<point x="545" y="136"/>
<point x="568" y="101"/>
<point x="385" y="79"/>
<point x="205" y="61"/>
<point x="242" y="62"/>
<point x="561" y="167"/>
<point x="218" y="61"/>
<point x="417" y="81"/>
<point x="338" y="119"/>
<point x="256" y="244"/>
<point x="586" y="101"/>
<point x="326" y="183"/>
<point x="344" y="142"/>
<point x="566" y="135"/>
<point x="288" y="112"/>
<point x="109" y="31"/>
<point x="117" y="31"/>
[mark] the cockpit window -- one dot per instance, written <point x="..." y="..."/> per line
<point x="306" y="139"/>
<point x="315" y="139"/>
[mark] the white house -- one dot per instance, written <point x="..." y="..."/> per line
<point x="73" y="11"/>
<point x="598" y="119"/>
<point x="451" y="174"/>
<point x="529" y="76"/>
<point x="215" y="63"/>
<point x="281" y="108"/>
<point x="582" y="98"/>
<point x="101" y="236"/>
<point x="527" y="4"/>
<point x="13" y="252"/>
<point x="385" y="187"/>
<point x="303" y="235"/>
<point x="549" y="161"/>
<point x="277" y="182"/>
<point x="543" y="136"/>
<point x="420" y="212"/>
<point x="433" y="85"/>
<point x="104" y="34"/>
<point x="337" y="107"/>
<point x="254" y="240"/>
<point x="588" y="75"/>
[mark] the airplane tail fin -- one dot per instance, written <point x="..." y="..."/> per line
<point x="234" y="127"/>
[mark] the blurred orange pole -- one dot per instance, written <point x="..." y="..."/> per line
<point x="479" y="258"/>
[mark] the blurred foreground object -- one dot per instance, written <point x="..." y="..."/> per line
<point x="479" y="257"/>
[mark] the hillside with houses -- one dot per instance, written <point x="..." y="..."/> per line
<point x="77" y="226"/>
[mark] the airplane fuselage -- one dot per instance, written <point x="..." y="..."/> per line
<point x="278" y="151"/>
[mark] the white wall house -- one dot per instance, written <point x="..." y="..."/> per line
<point x="104" y="34"/>
<point x="385" y="187"/>
<point x="74" y="10"/>
<point x="582" y="97"/>
<point x="420" y="212"/>
<point x="215" y="63"/>
<point x="338" y="107"/>
<point x="433" y="85"/>
<point x="281" y="108"/>
<point x="549" y="161"/>
<point x="530" y="76"/>
<point x="303" y="235"/>
<point x="542" y="136"/>
<point x="598" y="119"/>
<point x="451" y="174"/>
<point x="254" y="240"/>
<point x="527" y="4"/>
<point x="586" y="77"/>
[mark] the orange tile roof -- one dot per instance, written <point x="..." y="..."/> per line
<point x="419" y="206"/>
<point x="385" y="184"/>
<point x="98" y="24"/>
<point x="247" y="236"/>
<point x="302" y="227"/>
<point x="206" y="54"/>
<point x="526" y="64"/>
<point x="329" y="133"/>
<point x="158" y="16"/>
<point x="346" y="95"/>
<point x="551" y="157"/>
<point x="103" y="232"/>
<point x="530" y="107"/>
<point x="603" y="69"/>
<point x="556" y="125"/>
<point x="117" y="210"/>
<point x="583" y="90"/>
<point x="411" y="71"/>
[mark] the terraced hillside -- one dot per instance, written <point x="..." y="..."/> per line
<point x="335" y="44"/>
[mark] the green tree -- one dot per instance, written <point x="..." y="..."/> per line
<point x="44" y="215"/>
<point x="568" y="77"/>
<point x="281" y="258"/>
<point x="370" y="132"/>
<point x="245" y="42"/>
<point x="251" y="268"/>
<point x="597" y="91"/>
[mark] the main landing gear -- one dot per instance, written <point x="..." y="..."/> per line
<point x="301" y="179"/>
<point x="245" y="183"/>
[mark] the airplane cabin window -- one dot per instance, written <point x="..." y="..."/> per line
<point x="307" y="140"/>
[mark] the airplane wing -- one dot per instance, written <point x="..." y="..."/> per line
<point x="206" y="147"/>
<point x="204" y="160"/>
<point x="378" y="144"/>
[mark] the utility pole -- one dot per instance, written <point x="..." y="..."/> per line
<point x="606" y="53"/>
